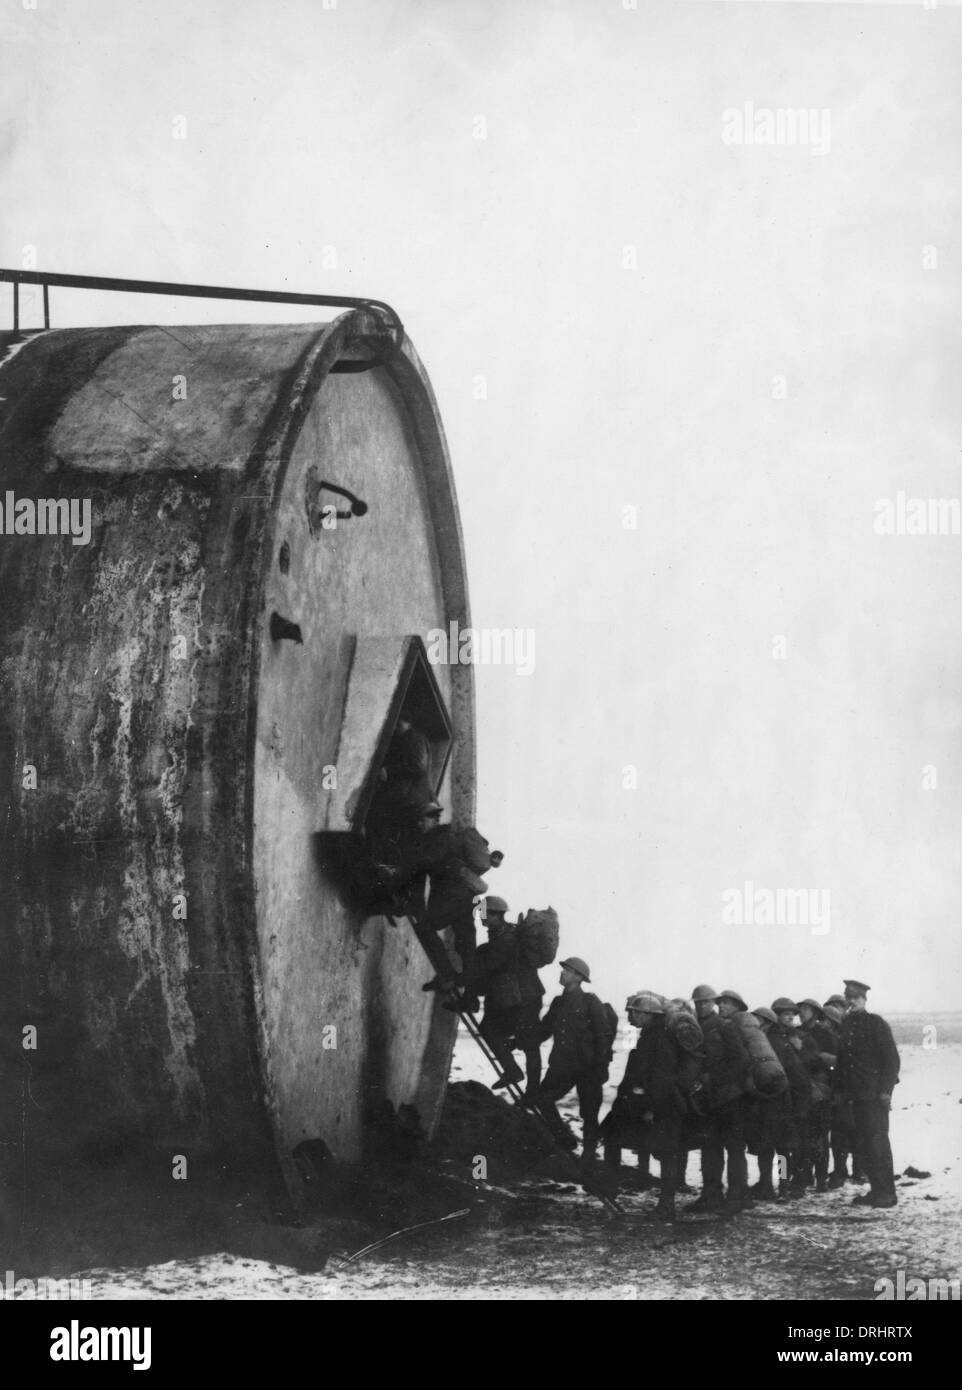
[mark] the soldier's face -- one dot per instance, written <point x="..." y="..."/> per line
<point x="726" y="1007"/>
<point x="806" y="1014"/>
<point x="569" y="977"/>
<point x="855" y="1003"/>
<point x="704" y="1007"/>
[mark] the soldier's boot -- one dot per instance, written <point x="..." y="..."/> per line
<point x="711" y="1200"/>
<point x="463" y="1003"/>
<point x="559" y="1130"/>
<point x="788" y="1190"/>
<point x="532" y="1067"/>
<point x="839" y="1167"/>
<point x="801" y="1177"/>
<point x="763" y="1191"/>
<point x="800" y="1174"/>
<point x="681" y="1174"/>
<point x="512" y="1076"/>
<point x="589" y="1142"/>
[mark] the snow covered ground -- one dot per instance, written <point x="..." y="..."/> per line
<point x="564" y="1245"/>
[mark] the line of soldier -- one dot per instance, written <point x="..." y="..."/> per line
<point x="689" y="1081"/>
<point x="684" y="1086"/>
<point x="680" y="1091"/>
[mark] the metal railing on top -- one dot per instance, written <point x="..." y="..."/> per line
<point x="47" y="278"/>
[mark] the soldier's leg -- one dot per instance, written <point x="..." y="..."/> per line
<point x="820" y="1127"/>
<point x="712" y="1167"/>
<point x="433" y="947"/>
<point x="840" y="1147"/>
<point x="861" y="1157"/>
<point x="526" y="1037"/>
<point x="532" y="1067"/>
<point x="668" y="1144"/>
<point x="455" y="909"/>
<point x="734" y="1140"/>
<point x="497" y="1029"/>
<point x="800" y="1168"/>
<point x="800" y="1172"/>
<point x="873" y="1128"/>
<point x="766" y="1157"/>
<point x="555" y="1085"/>
<point x="590" y="1096"/>
<point x="786" y="1171"/>
<point x="885" y="1168"/>
<point x="612" y="1152"/>
<point x="465" y="943"/>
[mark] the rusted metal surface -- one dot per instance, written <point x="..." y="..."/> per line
<point x="165" y="924"/>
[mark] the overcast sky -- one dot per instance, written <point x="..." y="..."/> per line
<point x="621" y="306"/>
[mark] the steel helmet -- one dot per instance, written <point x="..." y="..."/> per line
<point x="784" y="1005"/>
<point x="646" y="1001"/>
<point x="703" y="992"/>
<point x="812" y="1004"/>
<point x="493" y="904"/>
<point x="581" y="966"/>
<point x="834" y="999"/>
<point x="735" y="997"/>
<point x="765" y="1014"/>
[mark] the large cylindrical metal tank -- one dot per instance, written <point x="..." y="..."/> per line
<point x="178" y="967"/>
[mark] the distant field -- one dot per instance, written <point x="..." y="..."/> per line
<point x="909" y="1028"/>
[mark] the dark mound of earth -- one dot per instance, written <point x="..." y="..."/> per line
<point x="485" y="1138"/>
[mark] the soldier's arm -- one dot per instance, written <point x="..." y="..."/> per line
<point x="546" y="1027"/>
<point x="600" y="1031"/>
<point x="889" y="1057"/>
<point x="840" y="1074"/>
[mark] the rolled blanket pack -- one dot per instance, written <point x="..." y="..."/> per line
<point x="767" y="1076"/>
